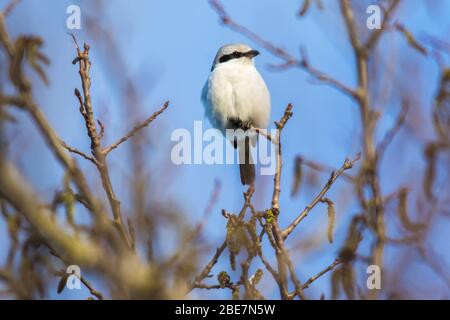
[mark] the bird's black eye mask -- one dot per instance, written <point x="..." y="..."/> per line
<point x="234" y="55"/>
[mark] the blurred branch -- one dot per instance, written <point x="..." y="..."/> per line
<point x="411" y="39"/>
<point x="389" y="136"/>
<point x="99" y="248"/>
<point x="81" y="251"/>
<point x="11" y="100"/>
<point x="403" y="212"/>
<point x="306" y="6"/>
<point x="322" y="77"/>
<point x="375" y="36"/>
<point x="19" y="194"/>
<point x="320" y="167"/>
<point x="25" y="101"/>
<point x="369" y="175"/>
<point x="289" y="60"/>
<point x="10" y="7"/>
<point x="226" y="20"/>
<point x="435" y="262"/>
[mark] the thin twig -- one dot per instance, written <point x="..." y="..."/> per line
<point x="324" y="78"/>
<point x="91" y="289"/>
<point x="322" y="167"/>
<point x="321" y="273"/>
<point x="136" y="129"/>
<point x="276" y="179"/>
<point x="375" y="36"/>
<point x="387" y="139"/>
<point x="264" y="133"/>
<point x="348" y="164"/>
<point x="80" y="153"/>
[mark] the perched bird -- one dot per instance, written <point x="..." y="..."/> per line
<point x="235" y="96"/>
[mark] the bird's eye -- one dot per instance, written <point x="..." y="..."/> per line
<point x="236" y="54"/>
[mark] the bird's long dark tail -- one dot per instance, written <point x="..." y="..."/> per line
<point x="246" y="164"/>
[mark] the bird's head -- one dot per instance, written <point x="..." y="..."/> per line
<point x="235" y="54"/>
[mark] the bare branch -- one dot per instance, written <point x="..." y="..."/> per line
<point x="320" y="167"/>
<point x="410" y="38"/>
<point x="348" y="164"/>
<point x="80" y="153"/>
<point x="136" y="129"/>
<point x="277" y="178"/>
<point x="12" y="100"/>
<point x="389" y="136"/>
<point x="321" y="273"/>
<point x="87" y="112"/>
<point x="264" y="133"/>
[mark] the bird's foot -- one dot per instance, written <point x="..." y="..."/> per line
<point x="245" y="125"/>
<point x="239" y="124"/>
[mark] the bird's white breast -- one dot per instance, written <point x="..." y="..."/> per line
<point x="236" y="91"/>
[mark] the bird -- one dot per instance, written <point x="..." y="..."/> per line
<point x="235" y="96"/>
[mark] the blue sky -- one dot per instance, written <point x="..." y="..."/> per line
<point x="171" y="44"/>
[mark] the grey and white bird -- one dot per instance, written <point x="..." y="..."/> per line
<point x="235" y="96"/>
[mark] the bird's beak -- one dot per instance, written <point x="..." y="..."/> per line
<point x="252" y="53"/>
